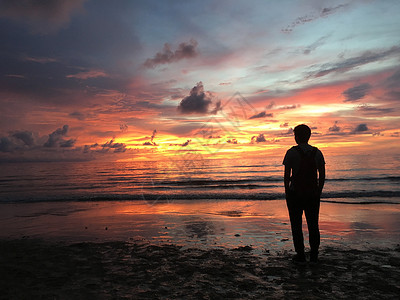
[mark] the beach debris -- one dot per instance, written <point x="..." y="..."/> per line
<point x="106" y="228"/>
<point x="284" y="240"/>
<point x="237" y="234"/>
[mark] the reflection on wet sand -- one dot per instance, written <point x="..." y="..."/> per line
<point x="263" y="225"/>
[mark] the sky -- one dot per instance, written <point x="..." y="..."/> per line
<point x="149" y="80"/>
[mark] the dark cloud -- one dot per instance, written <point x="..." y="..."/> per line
<point x="25" y="136"/>
<point x="117" y="147"/>
<point x="39" y="67"/>
<point x="78" y="115"/>
<point x="258" y="139"/>
<point x="288" y="132"/>
<point x="186" y="143"/>
<point x="123" y="127"/>
<point x="355" y="62"/>
<point x="357" y="92"/>
<point x="87" y="148"/>
<point x="374" y="110"/>
<point x="153" y="135"/>
<point x="261" y="115"/>
<point x="67" y="143"/>
<point x="270" y="105"/>
<point x="361" y="128"/>
<point x="20" y="146"/>
<point x="232" y="141"/>
<point x="166" y="56"/>
<point x="294" y="106"/>
<point x="312" y="17"/>
<point x="334" y="128"/>
<point x="41" y="16"/>
<point x="27" y="141"/>
<point x="6" y="145"/>
<point x="217" y="108"/>
<point x="56" y="137"/>
<point x="197" y="102"/>
<point x="151" y="143"/>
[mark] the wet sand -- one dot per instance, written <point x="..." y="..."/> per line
<point x="34" y="269"/>
<point x="193" y="250"/>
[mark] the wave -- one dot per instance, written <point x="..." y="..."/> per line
<point x="372" y="197"/>
<point x="253" y="180"/>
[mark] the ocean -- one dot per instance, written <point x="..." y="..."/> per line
<point x="358" y="179"/>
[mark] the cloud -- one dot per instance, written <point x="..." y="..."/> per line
<point x="357" y="92"/>
<point x="25" y="136"/>
<point x="217" y="108"/>
<point x="118" y="147"/>
<point x="151" y="143"/>
<point x="123" y="127"/>
<point x="42" y="16"/>
<point x="197" y="102"/>
<point x="78" y="115"/>
<point x="374" y="110"/>
<point x="312" y="17"/>
<point x="355" y="62"/>
<point x="56" y="137"/>
<point x="27" y="141"/>
<point x="6" y="145"/>
<point x="186" y="143"/>
<point x="232" y="141"/>
<point x="315" y="45"/>
<point x="261" y="115"/>
<point x="288" y="132"/>
<point x="294" y="106"/>
<point x="258" y="139"/>
<point x="88" y="74"/>
<point x="392" y="85"/>
<point x="68" y="143"/>
<point x="166" y="56"/>
<point x="20" y="146"/>
<point x="87" y="148"/>
<point x="361" y="128"/>
<point x="334" y="128"/>
<point x="270" y="105"/>
<point x="393" y="81"/>
<point x="153" y="135"/>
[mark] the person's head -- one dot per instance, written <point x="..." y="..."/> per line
<point x="302" y="133"/>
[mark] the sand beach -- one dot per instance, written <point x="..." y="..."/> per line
<point x="193" y="250"/>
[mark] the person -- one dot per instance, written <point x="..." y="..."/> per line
<point x="304" y="179"/>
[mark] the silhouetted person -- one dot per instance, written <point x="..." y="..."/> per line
<point x="304" y="180"/>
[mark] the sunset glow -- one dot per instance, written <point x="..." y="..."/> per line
<point x="150" y="80"/>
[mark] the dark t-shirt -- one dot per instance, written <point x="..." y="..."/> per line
<point x="292" y="158"/>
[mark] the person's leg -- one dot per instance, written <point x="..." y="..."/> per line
<point x="295" y="215"/>
<point x="312" y="215"/>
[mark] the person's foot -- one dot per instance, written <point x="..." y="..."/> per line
<point x="314" y="257"/>
<point x="299" y="259"/>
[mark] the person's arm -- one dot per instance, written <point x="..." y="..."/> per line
<point x="286" y="178"/>
<point x="321" y="177"/>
